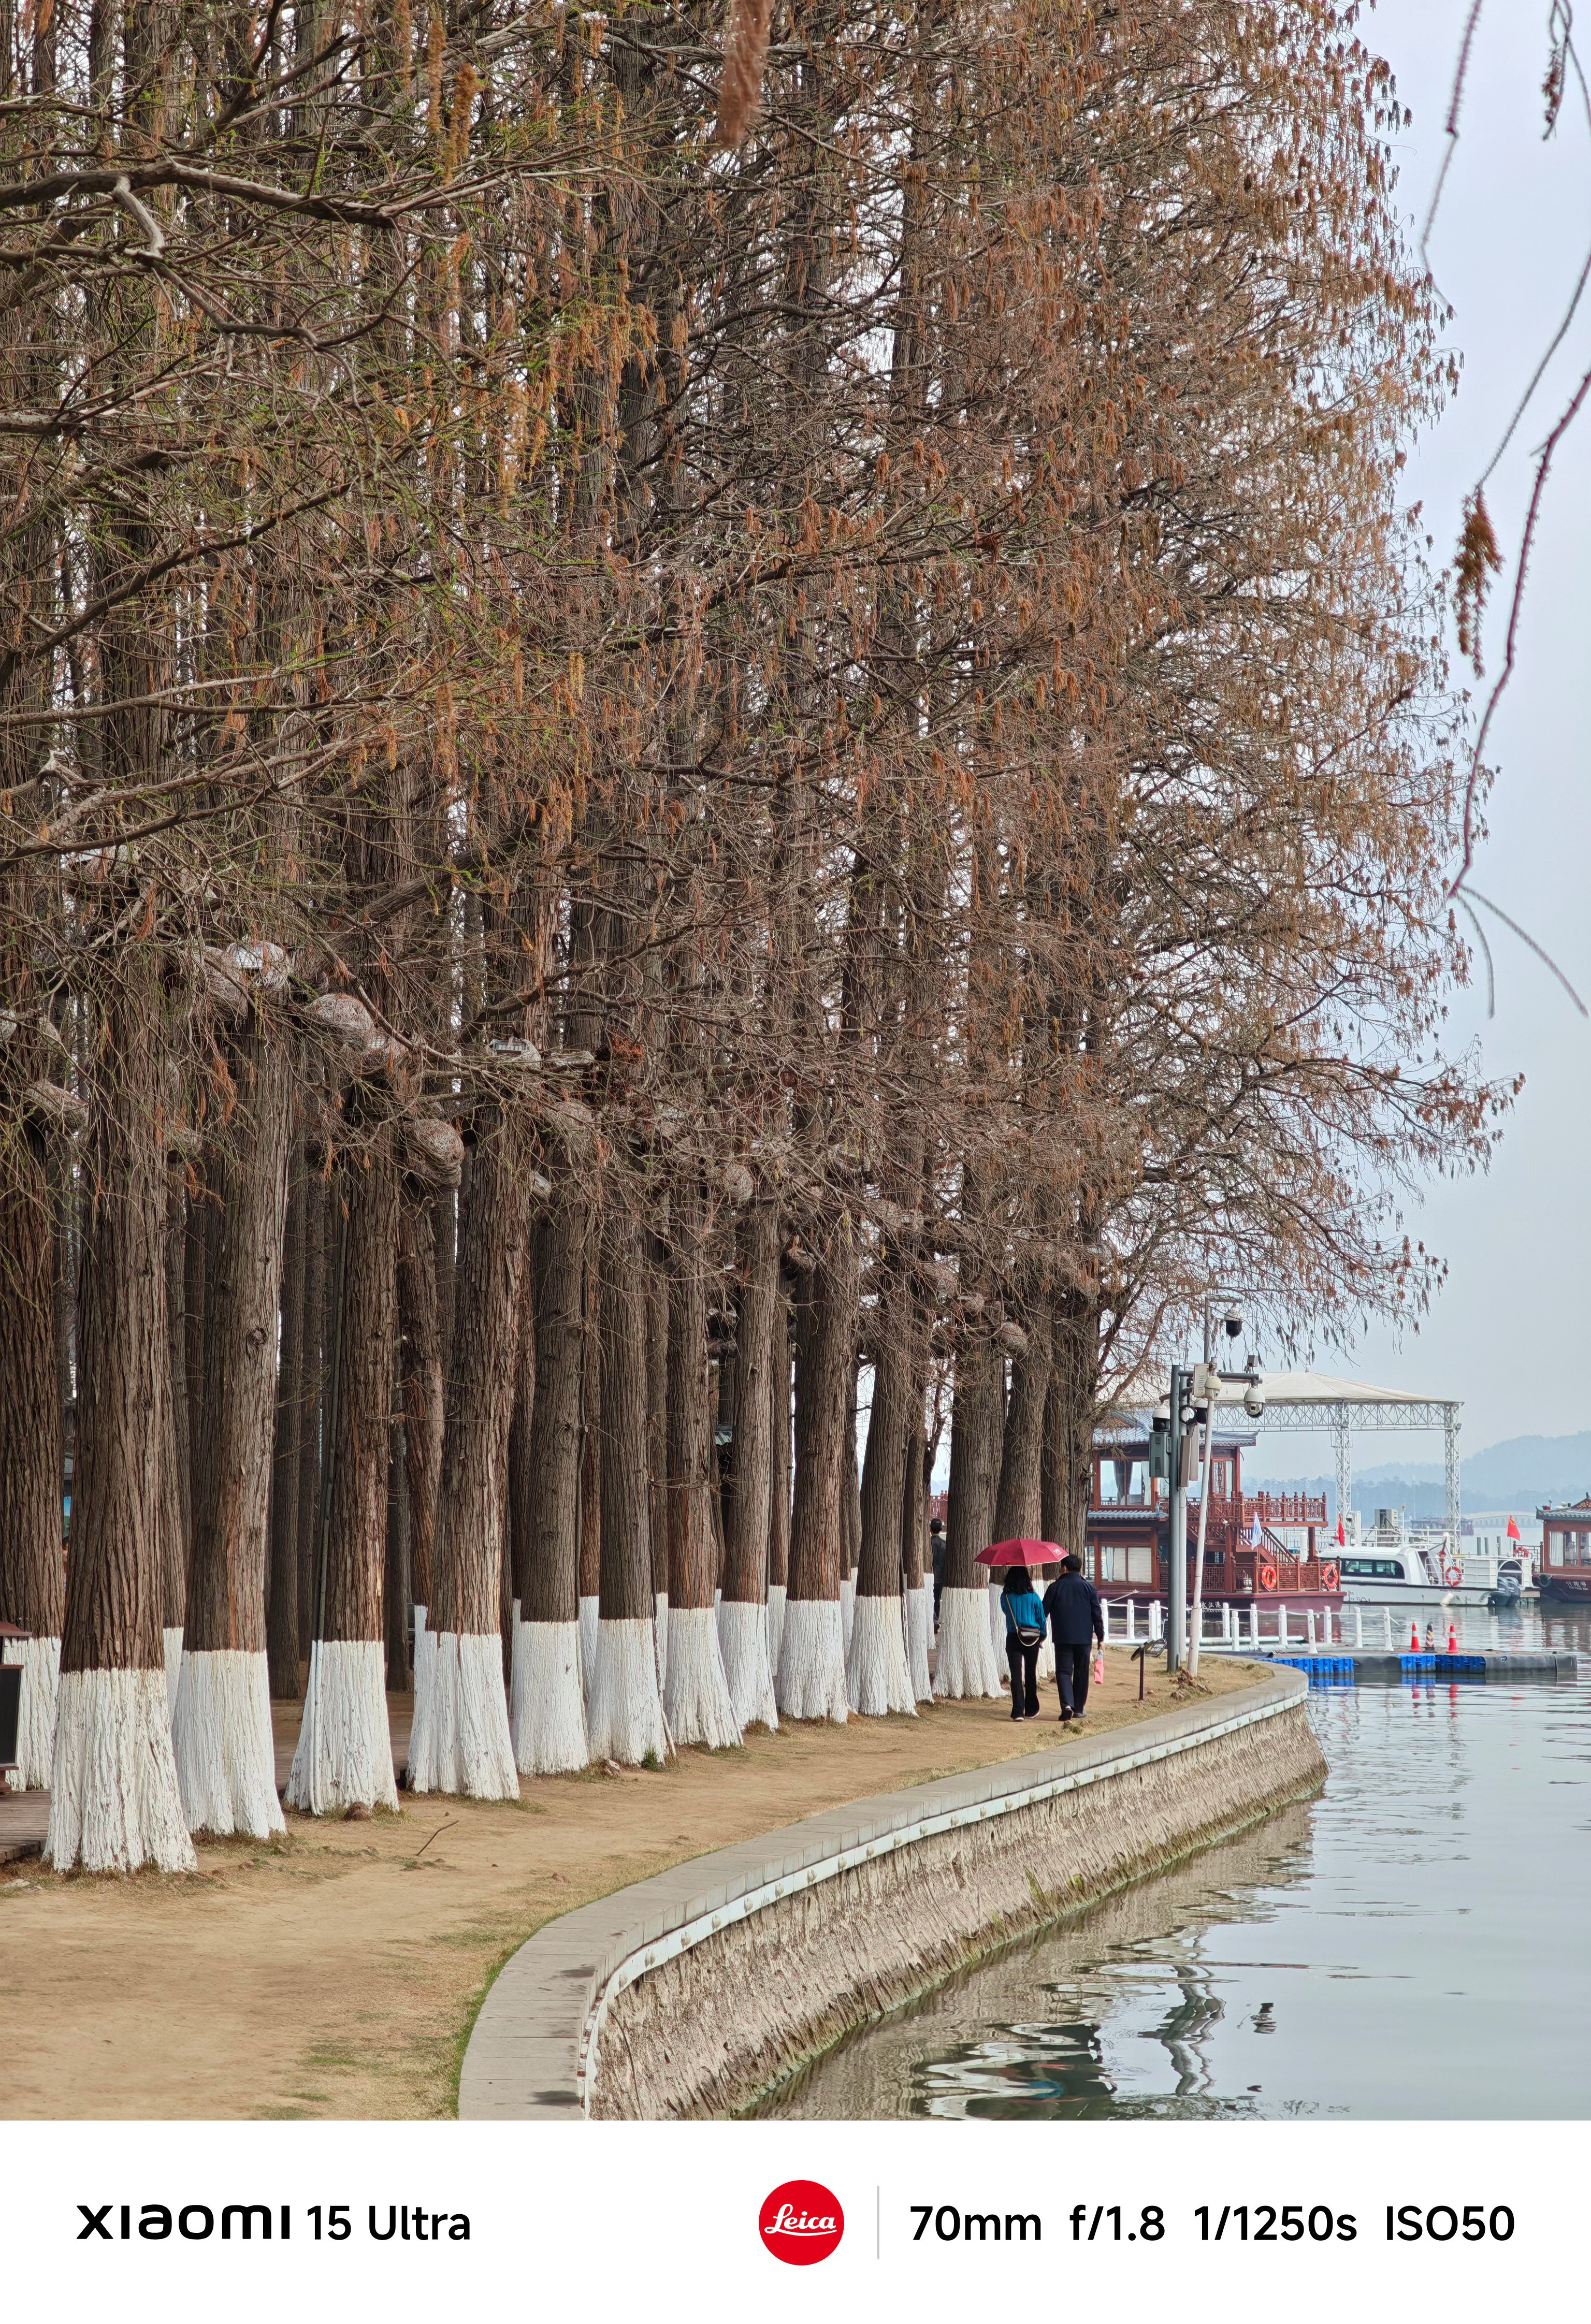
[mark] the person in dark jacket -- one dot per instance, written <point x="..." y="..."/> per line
<point x="1024" y="1634"/>
<point x="1076" y="1620"/>
<point x="936" y="1541"/>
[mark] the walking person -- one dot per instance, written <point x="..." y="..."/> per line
<point x="1076" y="1620"/>
<point x="1024" y="1634"/>
<point x="936" y="1543"/>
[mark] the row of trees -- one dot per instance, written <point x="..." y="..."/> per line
<point x="639" y="783"/>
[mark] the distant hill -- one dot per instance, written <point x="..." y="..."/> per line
<point x="1517" y="1474"/>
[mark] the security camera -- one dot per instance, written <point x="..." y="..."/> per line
<point x="1234" y="1322"/>
<point x="1254" y="1401"/>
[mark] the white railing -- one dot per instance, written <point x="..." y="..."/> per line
<point x="1269" y="1622"/>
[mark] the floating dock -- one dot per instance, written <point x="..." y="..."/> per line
<point x="1345" y="1666"/>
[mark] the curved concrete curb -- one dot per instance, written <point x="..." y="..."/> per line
<point x="535" y="2052"/>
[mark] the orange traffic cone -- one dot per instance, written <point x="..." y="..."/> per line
<point x="1414" y="1637"/>
<point x="1452" y="1639"/>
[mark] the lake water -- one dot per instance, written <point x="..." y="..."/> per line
<point x="1411" y="1944"/>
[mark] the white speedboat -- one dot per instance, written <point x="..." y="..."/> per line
<point x="1386" y="1565"/>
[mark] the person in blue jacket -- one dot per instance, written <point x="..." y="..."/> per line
<point x="1024" y="1634"/>
<point x="1076" y="1620"/>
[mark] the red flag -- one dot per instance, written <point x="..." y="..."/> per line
<point x="1342" y="1538"/>
<point x="1514" y="1531"/>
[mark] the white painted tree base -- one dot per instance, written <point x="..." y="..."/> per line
<point x="222" y="1744"/>
<point x="696" y="1693"/>
<point x="660" y="1634"/>
<point x="171" y="1642"/>
<point x="847" y="1611"/>
<point x="114" y="1803"/>
<point x="967" y="1666"/>
<point x="877" y="1677"/>
<point x="919" y="1615"/>
<point x="461" y="1742"/>
<point x="624" y="1713"/>
<point x="997" y="1623"/>
<point x="742" y="1641"/>
<point x="590" y="1614"/>
<point x="776" y="1596"/>
<point x="35" y="1734"/>
<point x="345" y="1755"/>
<point x="547" y="1713"/>
<point x="811" y="1682"/>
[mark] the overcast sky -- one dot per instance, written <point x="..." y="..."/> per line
<point x="1508" y="1333"/>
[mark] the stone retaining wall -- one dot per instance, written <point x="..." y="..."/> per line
<point x="687" y="1994"/>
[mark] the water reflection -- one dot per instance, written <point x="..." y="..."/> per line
<point x="1409" y="1946"/>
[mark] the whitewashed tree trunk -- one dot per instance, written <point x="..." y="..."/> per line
<point x="223" y="1745"/>
<point x="547" y="1712"/>
<point x="345" y="1753"/>
<point x="811" y="1679"/>
<point x="742" y="1641"/>
<point x="696" y="1697"/>
<point x="461" y="1741"/>
<point x="624" y="1716"/>
<point x="776" y="1593"/>
<point x="35" y="1736"/>
<point x="877" y="1677"/>
<point x="847" y="1611"/>
<point x="114" y="1803"/>
<point x="919" y="1621"/>
<point x="967" y="1669"/>
<point x="171" y="1646"/>
<point x="589" y="1614"/>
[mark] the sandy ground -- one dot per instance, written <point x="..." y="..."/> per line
<point x="335" y="1974"/>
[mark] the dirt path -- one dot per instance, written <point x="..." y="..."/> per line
<point x="335" y="1974"/>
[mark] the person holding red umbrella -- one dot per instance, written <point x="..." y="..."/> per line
<point x="1024" y="1634"/>
<point x="1024" y="1615"/>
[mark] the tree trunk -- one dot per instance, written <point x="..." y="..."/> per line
<point x="547" y="1712"/>
<point x="878" y="1675"/>
<point x="625" y="1712"/>
<point x="195" y="1250"/>
<point x="179" y="1534"/>
<point x="966" y="1664"/>
<point x="657" y="1442"/>
<point x="282" y="1611"/>
<point x="424" y="1396"/>
<point x="811" y="1677"/>
<point x="395" y="1595"/>
<point x="32" y="1569"/>
<point x="779" y="1503"/>
<point x="345" y="1755"/>
<point x="221" y="1729"/>
<point x="590" y="1574"/>
<point x="743" y="1617"/>
<point x="114" y="1801"/>
<point x="1019" y="1502"/>
<point x="312" y="1383"/>
<point x="696" y="1692"/>
<point x="461" y="1743"/>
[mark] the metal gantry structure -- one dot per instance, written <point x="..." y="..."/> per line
<point x="1317" y="1403"/>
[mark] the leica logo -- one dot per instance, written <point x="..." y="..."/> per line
<point x="801" y="2222"/>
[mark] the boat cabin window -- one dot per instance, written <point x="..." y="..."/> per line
<point x="1123" y="1484"/>
<point x="1373" y="1569"/>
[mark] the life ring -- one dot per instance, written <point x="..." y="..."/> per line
<point x="1267" y="1577"/>
<point x="1452" y="1574"/>
<point x="1329" y="1578"/>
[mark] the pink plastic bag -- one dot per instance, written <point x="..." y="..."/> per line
<point x="1099" y="1670"/>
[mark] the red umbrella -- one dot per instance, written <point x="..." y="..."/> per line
<point x="1021" y="1553"/>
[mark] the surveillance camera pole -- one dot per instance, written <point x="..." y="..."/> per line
<point x="1206" y="1381"/>
<point x="1176" y="1627"/>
